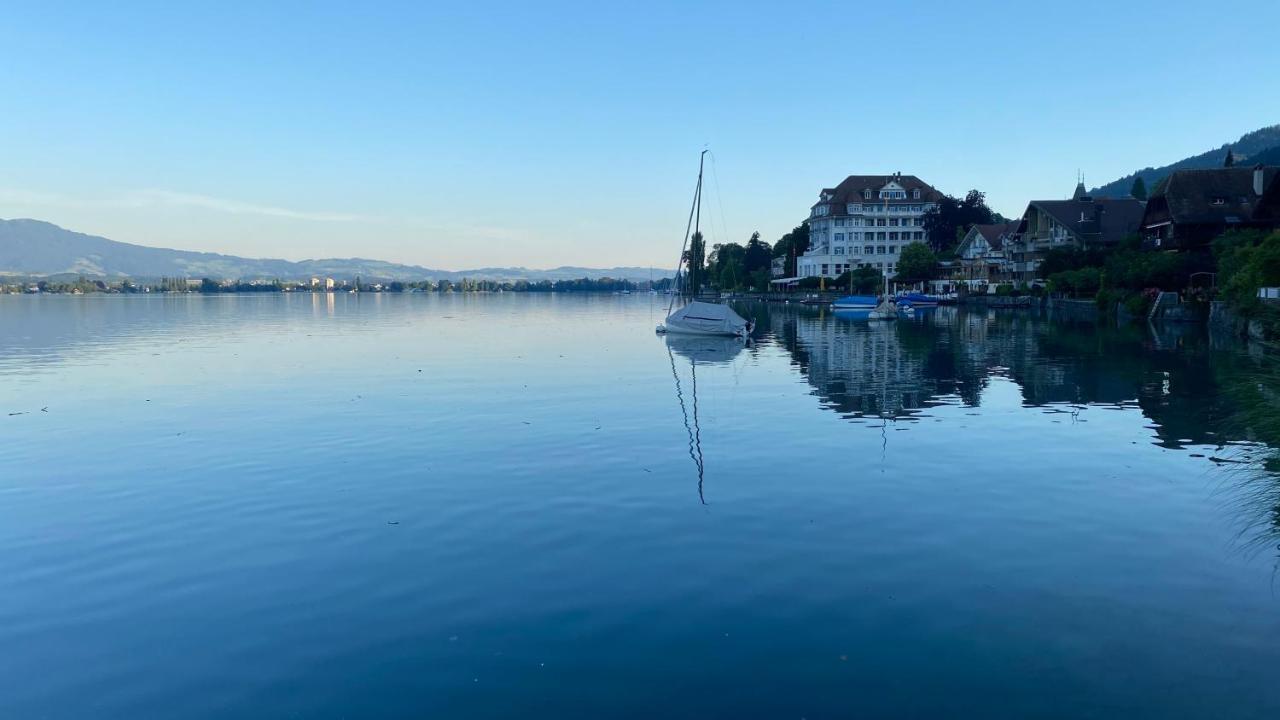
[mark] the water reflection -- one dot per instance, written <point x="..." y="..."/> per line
<point x="1208" y="394"/>
<point x="481" y="496"/>
<point x="708" y="351"/>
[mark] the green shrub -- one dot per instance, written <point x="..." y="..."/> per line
<point x="1139" y="304"/>
<point x="1084" y="281"/>
<point x="1247" y="260"/>
<point x="1107" y="300"/>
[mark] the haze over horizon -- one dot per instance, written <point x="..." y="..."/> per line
<point x="569" y="136"/>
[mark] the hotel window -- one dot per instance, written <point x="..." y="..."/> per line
<point x="868" y="250"/>
<point x="893" y="249"/>
<point x="880" y="236"/>
<point x="881" y="222"/>
<point x="855" y="250"/>
<point x="893" y="236"/>
<point x="839" y="237"/>
<point x="839" y="222"/>
<point x="880" y="250"/>
<point x="839" y="250"/>
<point x="824" y="268"/>
<point x="893" y="222"/>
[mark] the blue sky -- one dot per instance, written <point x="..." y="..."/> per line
<point x="459" y="135"/>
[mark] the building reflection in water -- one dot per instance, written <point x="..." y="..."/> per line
<point x="1216" y="395"/>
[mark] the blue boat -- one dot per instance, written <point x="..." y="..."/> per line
<point x="855" y="302"/>
<point x="918" y="300"/>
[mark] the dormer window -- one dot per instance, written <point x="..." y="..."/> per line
<point x="866" y="194"/>
<point x="915" y="194"/>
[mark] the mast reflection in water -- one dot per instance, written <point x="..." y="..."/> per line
<point x="707" y="350"/>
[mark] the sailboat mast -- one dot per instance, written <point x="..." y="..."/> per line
<point x="697" y="231"/>
<point x="695" y="208"/>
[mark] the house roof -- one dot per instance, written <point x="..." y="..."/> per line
<point x="1105" y="220"/>
<point x="1214" y="196"/>
<point x="996" y="233"/>
<point x="852" y="187"/>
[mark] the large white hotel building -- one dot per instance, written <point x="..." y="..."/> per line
<point x="866" y="220"/>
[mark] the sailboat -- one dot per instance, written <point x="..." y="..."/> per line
<point x="698" y="317"/>
<point x="886" y="310"/>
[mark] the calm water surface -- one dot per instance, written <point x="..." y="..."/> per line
<point x="530" y="506"/>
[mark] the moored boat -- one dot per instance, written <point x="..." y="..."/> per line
<point x="698" y="317"/>
<point x="855" y="302"/>
<point x="702" y="318"/>
<point x="918" y="300"/>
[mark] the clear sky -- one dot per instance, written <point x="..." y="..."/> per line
<point x="457" y="135"/>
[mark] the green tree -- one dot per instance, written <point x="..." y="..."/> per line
<point x="860" y="281"/>
<point x="1229" y="160"/>
<point x="792" y="245"/>
<point x="725" y="265"/>
<point x="917" y="263"/>
<point x="758" y="255"/>
<point x="1247" y="260"/>
<point x="1139" y="189"/>
<point x="209" y="286"/>
<point x="953" y="217"/>
<point x="694" y="258"/>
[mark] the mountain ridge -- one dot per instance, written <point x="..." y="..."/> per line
<point x="37" y="248"/>
<point x="1262" y="145"/>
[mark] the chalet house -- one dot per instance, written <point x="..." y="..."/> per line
<point x="1192" y="207"/>
<point x="1081" y="222"/>
<point x="981" y="253"/>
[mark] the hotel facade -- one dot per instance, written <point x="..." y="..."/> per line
<point x="866" y="220"/>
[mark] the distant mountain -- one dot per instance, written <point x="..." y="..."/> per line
<point x="1258" y="146"/>
<point x="37" y="248"/>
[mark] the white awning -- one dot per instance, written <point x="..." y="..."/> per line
<point x="780" y="281"/>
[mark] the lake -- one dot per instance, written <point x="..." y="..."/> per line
<point x="485" y="506"/>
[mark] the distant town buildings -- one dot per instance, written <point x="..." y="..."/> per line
<point x="865" y="221"/>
